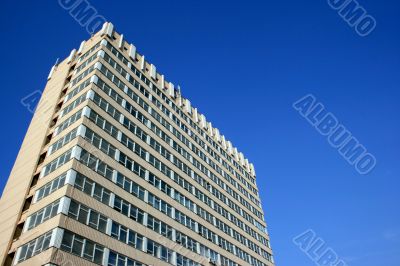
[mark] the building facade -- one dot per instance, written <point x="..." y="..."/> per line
<point x="117" y="168"/>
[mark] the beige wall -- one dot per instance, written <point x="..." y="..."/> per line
<point x="25" y="165"/>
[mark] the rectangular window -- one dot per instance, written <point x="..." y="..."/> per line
<point x="87" y="216"/>
<point x="58" y="162"/>
<point x="43" y="215"/>
<point x="81" y="247"/>
<point x="35" y="247"/>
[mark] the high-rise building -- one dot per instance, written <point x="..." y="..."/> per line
<point x="118" y="168"/>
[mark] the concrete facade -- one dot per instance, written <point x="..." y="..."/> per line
<point x="118" y="167"/>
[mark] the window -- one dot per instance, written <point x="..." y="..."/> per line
<point x="60" y="161"/>
<point x="186" y="241"/>
<point x="63" y="141"/>
<point x="77" y="90"/>
<point x="185" y="220"/>
<point x="73" y="105"/>
<point x="121" y="206"/>
<point x="43" y="215"/>
<point x="135" y="240"/>
<point x="136" y="214"/>
<point x="87" y="216"/>
<point x="50" y="187"/>
<point x="183" y="261"/>
<point x="35" y="247"/>
<point x="81" y="247"/>
<point x="116" y="259"/>
<point x="153" y="248"/>
<point x="154" y="224"/>
<point x="100" y="143"/>
<point x="166" y="230"/>
<point x="127" y="236"/>
<point x="82" y="76"/>
<point x="72" y="119"/>
<point x="90" y="188"/>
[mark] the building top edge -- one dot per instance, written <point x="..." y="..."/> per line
<point x="174" y="93"/>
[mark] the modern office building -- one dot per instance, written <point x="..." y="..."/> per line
<point x="117" y="168"/>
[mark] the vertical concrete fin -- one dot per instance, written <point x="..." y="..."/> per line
<point x="132" y="51"/>
<point x="71" y="56"/>
<point x="121" y="41"/>
<point x="153" y="71"/>
<point x="81" y="47"/>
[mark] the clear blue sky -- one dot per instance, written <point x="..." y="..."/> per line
<point x="243" y="64"/>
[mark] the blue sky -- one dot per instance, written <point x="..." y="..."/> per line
<point x="243" y="64"/>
